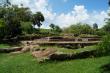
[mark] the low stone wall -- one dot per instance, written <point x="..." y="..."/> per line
<point x="74" y="39"/>
<point x="53" y="55"/>
<point x="8" y="50"/>
<point x="81" y="55"/>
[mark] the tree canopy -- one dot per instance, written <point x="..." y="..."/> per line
<point x="78" y="29"/>
<point x="37" y="19"/>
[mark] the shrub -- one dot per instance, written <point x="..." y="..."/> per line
<point x="104" y="46"/>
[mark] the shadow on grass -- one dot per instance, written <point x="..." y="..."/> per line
<point x="105" y="68"/>
<point x="82" y="55"/>
<point x="59" y="58"/>
<point x="10" y="42"/>
<point x="10" y="46"/>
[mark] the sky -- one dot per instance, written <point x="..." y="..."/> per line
<point x="65" y="6"/>
<point x="67" y="12"/>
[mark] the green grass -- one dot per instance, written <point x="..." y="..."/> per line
<point x="4" y="46"/>
<point x="25" y="63"/>
<point x="60" y="49"/>
<point x="87" y="48"/>
<point x="66" y="50"/>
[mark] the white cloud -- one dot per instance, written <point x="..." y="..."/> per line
<point x="97" y="17"/>
<point x="78" y="14"/>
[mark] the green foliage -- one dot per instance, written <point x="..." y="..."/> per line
<point x="107" y="26"/>
<point x="87" y="35"/>
<point x="37" y="19"/>
<point x="95" y="26"/>
<point x="104" y="46"/>
<point x="7" y="3"/>
<point x="27" y="27"/>
<point x="13" y="18"/>
<point x="3" y="29"/>
<point x="100" y="32"/>
<point x="78" y="29"/>
<point x="12" y="23"/>
<point x="2" y="12"/>
<point x="52" y="26"/>
<point x="24" y="14"/>
<point x="55" y="30"/>
<point x="4" y="46"/>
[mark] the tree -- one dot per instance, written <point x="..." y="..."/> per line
<point x="107" y="26"/>
<point x="15" y="20"/>
<point x="100" y="32"/>
<point x="2" y="12"/>
<point x="24" y="14"/>
<point x="37" y="19"/>
<point x="55" y="29"/>
<point x="52" y="26"/>
<point x="79" y="28"/>
<point x="3" y="29"/>
<point x="104" y="46"/>
<point x="12" y="23"/>
<point x="109" y="2"/>
<point x="7" y="3"/>
<point x="27" y="27"/>
<point x="85" y="29"/>
<point x="95" y="26"/>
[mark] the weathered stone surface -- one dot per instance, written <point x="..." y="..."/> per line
<point x="43" y="54"/>
<point x="29" y="46"/>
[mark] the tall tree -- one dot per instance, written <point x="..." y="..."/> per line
<point x="55" y="29"/>
<point x="52" y="26"/>
<point x="24" y="14"/>
<point x="107" y="26"/>
<point x="109" y="2"/>
<point x="3" y="29"/>
<point x="12" y="22"/>
<point x="95" y="26"/>
<point x="7" y="3"/>
<point x="37" y="19"/>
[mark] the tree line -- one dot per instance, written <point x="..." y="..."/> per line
<point x="16" y="21"/>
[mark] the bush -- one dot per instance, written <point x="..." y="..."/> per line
<point x="104" y="46"/>
<point x="88" y="35"/>
<point x="100" y="32"/>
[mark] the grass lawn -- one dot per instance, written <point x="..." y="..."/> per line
<point x="25" y="63"/>
<point x="66" y="50"/>
<point x="4" y="46"/>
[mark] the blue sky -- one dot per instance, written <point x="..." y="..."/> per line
<point x="60" y="6"/>
<point x="68" y="12"/>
